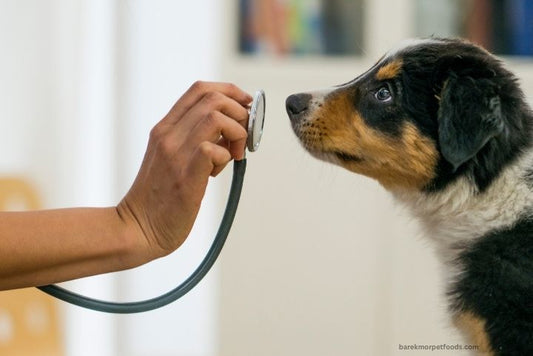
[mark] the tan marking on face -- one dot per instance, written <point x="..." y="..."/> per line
<point x="474" y="329"/>
<point x="404" y="161"/>
<point x="325" y="123"/>
<point x="389" y="71"/>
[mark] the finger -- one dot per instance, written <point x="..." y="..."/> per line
<point x="222" y="142"/>
<point x="236" y="149"/>
<point x="198" y="90"/>
<point x="209" y="159"/>
<point x="210" y="105"/>
<point x="217" y="169"/>
<point x="216" y="101"/>
<point x="216" y="126"/>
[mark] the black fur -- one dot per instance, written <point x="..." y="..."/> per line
<point x="452" y="81"/>
<point x="461" y="97"/>
<point x="497" y="285"/>
<point x="478" y="116"/>
<point x="469" y="116"/>
<point x="464" y="99"/>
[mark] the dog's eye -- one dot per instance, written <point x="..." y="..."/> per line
<point x="383" y="94"/>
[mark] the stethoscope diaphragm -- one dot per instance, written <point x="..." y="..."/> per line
<point x="256" y="121"/>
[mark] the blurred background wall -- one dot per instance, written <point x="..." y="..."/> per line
<point x="82" y="83"/>
<point x="320" y="261"/>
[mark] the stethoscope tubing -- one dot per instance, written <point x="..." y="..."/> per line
<point x="239" y="168"/>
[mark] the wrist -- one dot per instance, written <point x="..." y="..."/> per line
<point x="141" y="248"/>
<point x="136" y="248"/>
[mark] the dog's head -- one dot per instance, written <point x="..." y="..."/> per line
<point x="423" y="115"/>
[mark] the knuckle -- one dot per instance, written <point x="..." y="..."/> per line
<point x="214" y="98"/>
<point x="161" y="141"/>
<point x="198" y="86"/>
<point x="156" y="134"/>
<point x="232" y="88"/>
<point x="206" y="149"/>
<point x="212" y="119"/>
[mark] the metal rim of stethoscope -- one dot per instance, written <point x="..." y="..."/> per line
<point x="255" y="132"/>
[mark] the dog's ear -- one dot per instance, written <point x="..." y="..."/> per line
<point x="469" y="116"/>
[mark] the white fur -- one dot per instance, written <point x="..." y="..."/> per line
<point x="318" y="98"/>
<point x="459" y="215"/>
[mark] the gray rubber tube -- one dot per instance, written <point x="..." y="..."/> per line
<point x="239" y="168"/>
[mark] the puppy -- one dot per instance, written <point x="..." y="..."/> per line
<point x="443" y="126"/>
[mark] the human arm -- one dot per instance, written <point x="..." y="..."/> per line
<point x="196" y="139"/>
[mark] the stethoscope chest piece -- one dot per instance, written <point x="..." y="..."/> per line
<point x="256" y="121"/>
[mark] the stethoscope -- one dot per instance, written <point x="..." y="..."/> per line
<point x="255" y="132"/>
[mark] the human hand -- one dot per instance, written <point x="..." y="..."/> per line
<point x="203" y="131"/>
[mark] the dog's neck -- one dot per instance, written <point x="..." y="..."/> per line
<point x="458" y="215"/>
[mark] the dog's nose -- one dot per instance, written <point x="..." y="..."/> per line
<point x="297" y="104"/>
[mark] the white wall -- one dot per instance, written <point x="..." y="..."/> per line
<point x="82" y="82"/>
<point x="164" y="47"/>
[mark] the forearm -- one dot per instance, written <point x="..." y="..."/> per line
<point x="43" y="247"/>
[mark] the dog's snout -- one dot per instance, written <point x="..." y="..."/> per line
<point x="297" y="104"/>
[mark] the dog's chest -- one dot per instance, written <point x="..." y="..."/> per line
<point x="459" y="215"/>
